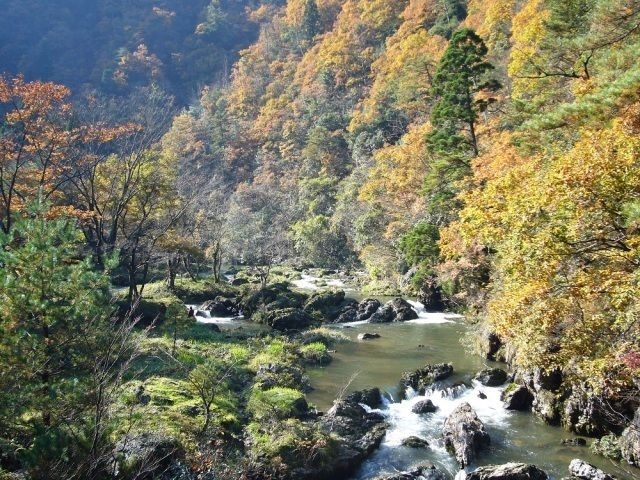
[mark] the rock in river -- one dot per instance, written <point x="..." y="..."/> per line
<point x="422" y="378"/>
<point x="583" y="470"/>
<point x="368" y="336"/>
<point x="464" y="434"/>
<point x="508" y="471"/>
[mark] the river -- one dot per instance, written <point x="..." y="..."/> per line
<point x="435" y="338"/>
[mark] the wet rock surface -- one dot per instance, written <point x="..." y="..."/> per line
<point x="464" y="434"/>
<point x="517" y="397"/>
<point x="508" y="471"/>
<point x="424" y="406"/>
<point x="491" y="377"/>
<point x="585" y="471"/>
<point x="422" y="472"/>
<point x="424" y="377"/>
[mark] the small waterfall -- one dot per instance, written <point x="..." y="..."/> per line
<point x="404" y="423"/>
<point x="425" y="317"/>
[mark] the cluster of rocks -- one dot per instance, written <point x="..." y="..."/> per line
<point x="371" y="310"/>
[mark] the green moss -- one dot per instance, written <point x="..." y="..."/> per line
<point x="327" y="336"/>
<point x="292" y="443"/>
<point x="607" y="446"/>
<point x="276" y="403"/>
<point x="315" y="353"/>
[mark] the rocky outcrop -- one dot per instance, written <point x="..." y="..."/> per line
<point x="517" y="397"/>
<point x="630" y="441"/>
<point x="222" y="307"/>
<point x="424" y="406"/>
<point x="492" y="346"/>
<point x="396" y="310"/>
<point x="508" y="471"/>
<point x="430" y="295"/>
<point x="585" y="471"/>
<point x="358" y="432"/>
<point x="326" y="303"/>
<point x="422" y="378"/>
<point x="289" y="319"/>
<point x="368" y="336"/>
<point x="147" y="456"/>
<point x="281" y="375"/>
<point x="369" y="396"/>
<point x="464" y="434"/>
<point x="583" y="415"/>
<point x="358" y="312"/>
<point x="422" y="472"/>
<point x="491" y="377"/>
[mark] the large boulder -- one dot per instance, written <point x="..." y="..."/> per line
<point x="383" y="315"/>
<point x="464" y="434"/>
<point x="508" y="471"/>
<point x="424" y="406"/>
<point x="357" y="312"/>
<point x="424" y="377"/>
<point x="148" y="456"/>
<point x="358" y="433"/>
<point x="396" y="310"/>
<point x="402" y="310"/>
<point x="366" y="308"/>
<point x="369" y="396"/>
<point x="430" y="295"/>
<point x="585" y="471"/>
<point x="491" y="377"/>
<point x="517" y="397"/>
<point x="422" y="472"/>
<point x="630" y="441"/>
<point x="289" y="319"/>
<point x="222" y="307"/>
<point x="326" y="303"/>
<point x="415" y="442"/>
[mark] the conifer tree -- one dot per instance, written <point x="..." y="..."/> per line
<point x="460" y="76"/>
<point x="310" y="20"/>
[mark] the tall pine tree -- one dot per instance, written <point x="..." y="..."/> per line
<point x="461" y="74"/>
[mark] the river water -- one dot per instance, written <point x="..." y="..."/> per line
<point x="435" y="338"/>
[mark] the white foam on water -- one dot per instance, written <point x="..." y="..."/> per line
<point x="425" y="317"/>
<point x="204" y="316"/>
<point x="404" y="423"/>
<point x="306" y="282"/>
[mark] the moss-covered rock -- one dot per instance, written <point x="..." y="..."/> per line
<point x="288" y="319"/>
<point x="327" y="304"/>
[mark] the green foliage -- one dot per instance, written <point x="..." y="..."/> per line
<point x="452" y="13"/>
<point x="291" y="444"/>
<point x="421" y="244"/>
<point x="460" y="76"/>
<point x="607" y="446"/>
<point x="315" y="353"/>
<point x="59" y="351"/>
<point x="310" y="20"/>
<point x="276" y="403"/>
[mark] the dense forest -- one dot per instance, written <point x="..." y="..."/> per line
<point x="483" y="156"/>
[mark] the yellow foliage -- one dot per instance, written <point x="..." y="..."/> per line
<point x="565" y="283"/>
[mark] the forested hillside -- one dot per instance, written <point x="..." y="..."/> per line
<point x="115" y="45"/>
<point x="491" y="145"/>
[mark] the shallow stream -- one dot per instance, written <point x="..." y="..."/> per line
<point x="435" y="338"/>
